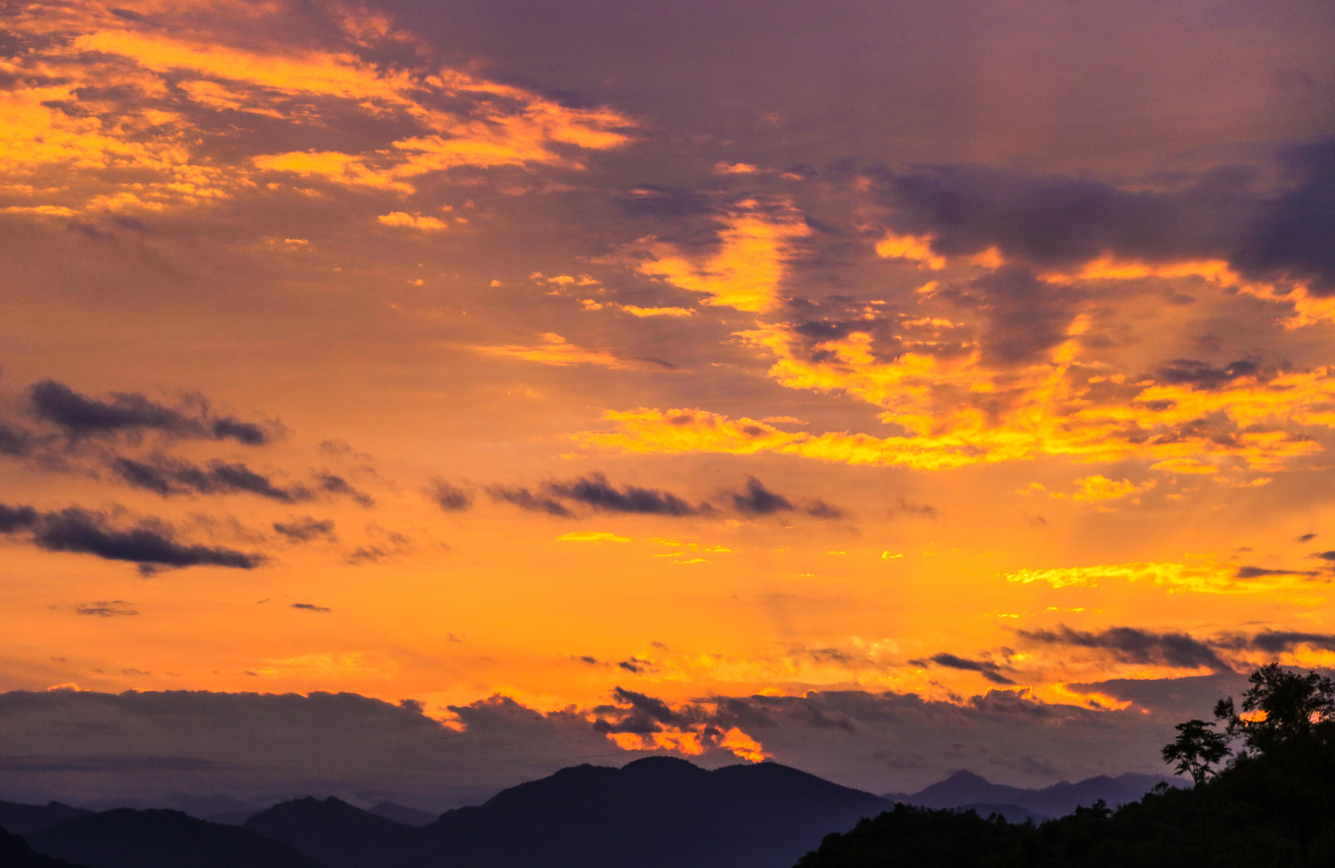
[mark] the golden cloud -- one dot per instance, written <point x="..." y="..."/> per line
<point x="109" y="111"/>
<point x="555" y="350"/>
<point x="414" y="221"/>
<point x="657" y="311"/>
<point x="592" y="536"/>
<point x="955" y="411"/>
<point x="748" y="268"/>
<point x="915" y="248"/>
<point x="1206" y="577"/>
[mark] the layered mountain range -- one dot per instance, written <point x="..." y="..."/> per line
<point x="659" y="811"/>
<point x="968" y="791"/>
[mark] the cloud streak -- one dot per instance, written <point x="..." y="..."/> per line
<point x="166" y="477"/>
<point x="150" y="544"/>
<point x="81" y="416"/>
<point x="1132" y="645"/>
<point x="987" y="669"/>
<point x="595" y="491"/>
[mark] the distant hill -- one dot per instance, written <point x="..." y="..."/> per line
<point x="128" y="838"/>
<point x="660" y="811"/>
<point x="967" y="790"/>
<point x="331" y="831"/>
<point x="403" y="814"/>
<point x="25" y="819"/>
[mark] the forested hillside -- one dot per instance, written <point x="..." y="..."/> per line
<point x="1264" y="796"/>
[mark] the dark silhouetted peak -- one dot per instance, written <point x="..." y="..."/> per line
<point x="403" y="814"/>
<point x="962" y="788"/>
<point x="128" y="838"/>
<point x="330" y="831"/>
<point x="662" y="766"/>
<point x="25" y="819"/>
<point x="659" y="811"/>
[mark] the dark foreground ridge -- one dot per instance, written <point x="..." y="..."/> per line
<point x="26" y="819"/>
<point x="126" y="838"/>
<point x="1272" y="805"/>
<point x="16" y="853"/>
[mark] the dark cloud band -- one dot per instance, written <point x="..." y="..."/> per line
<point x="1132" y="645"/>
<point x="81" y="416"/>
<point x="150" y="544"/>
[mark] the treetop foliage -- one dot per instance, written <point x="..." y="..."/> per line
<point x="1269" y="804"/>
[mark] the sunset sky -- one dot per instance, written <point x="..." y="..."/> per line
<point x="883" y="387"/>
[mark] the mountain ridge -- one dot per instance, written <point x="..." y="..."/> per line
<point x="23" y="820"/>
<point x="131" y="838"/>
<point x="659" y="811"/>
<point x="965" y="789"/>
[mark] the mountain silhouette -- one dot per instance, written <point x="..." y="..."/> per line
<point x="129" y="838"/>
<point x="966" y="790"/>
<point x="15" y="853"/>
<point x="25" y="819"/>
<point x="330" y="831"/>
<point x="660" y="811"/>
<point x="403" y="814"/>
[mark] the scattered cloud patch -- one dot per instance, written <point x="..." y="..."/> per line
<point x="106" y="609"/>
<point x="1132" y="645"/>
<point x="592" y="536"/>
<point x="747" y="271"/>
<point x="388" y="546"/>
<point x="595" y="491"/>
<point x="80" y="416"/>
<point x="168" y="476"/>
<point x="643" y="312"/>
<point x="1205" y="577"/>
<point x="1262" y="572"/>
<point x="556" y="350"/>
<point x="913" y="509"/>
<point x="151" y="544"/>
<point x="413" y="221"/>
<point x="985" y="668"/>
<point x="449" y="497"/>
<point x="527" y="500"/>
<point x="334" y="484"/>
<point x="305" y="528"/>
<point x="759" y="500"/>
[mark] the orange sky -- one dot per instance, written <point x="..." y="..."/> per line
<point x="390" y="350"/>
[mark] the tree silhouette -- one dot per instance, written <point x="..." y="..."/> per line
<point x="1269" y="805"/>
<point x="1197" y="748"/>
<point x="1280" y="706"/>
